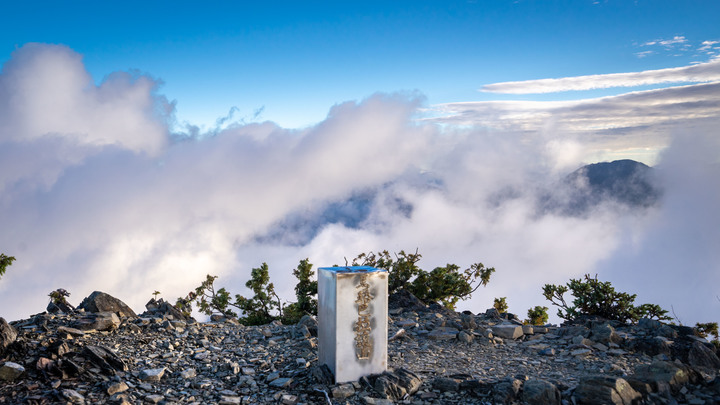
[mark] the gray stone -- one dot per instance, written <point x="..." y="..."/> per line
<point x="528" y="330"/>
<point x="188" y="373"/>
<point x="152" y="374"/>
<point x="98" y="321"/>
<point x="73" y="396"/>
<point x="153" y="398"/>
<point x="444" y="384"/>
<point x="288" y="399"/>
<point x="663" y="375"/>
<point x="443" y="333"/>
<point x="246" y="381"/>
<point x="507" y="331"/>
<point x="580" y="352"/>
<point x="99" y="301"/>
<point x="8" y="334"/>
<point x="702" y="356"/>
<point x="604" y="390"/>
<point x="230" y="400"/>
<point x="70" y="331"/>
<point x="343" y="391"/>
<point x="394" y="385"/>
<point x="540" y="392"/>
<point x="507" y="390"/>
<point x="549" y="351"/>
<point x="114" y="388"/>
<point x="281" y="382"/>
<point x="105" y="358"/>
<point x="10" y="371"/>
<point x="605" y="334"/>
<point x="464" y="337"/>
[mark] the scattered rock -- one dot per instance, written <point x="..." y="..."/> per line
<point x="439" y="356"/>
<point x="101" y="302"/>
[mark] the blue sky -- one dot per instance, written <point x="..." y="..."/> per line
<point x="451" y="119"/>
<point x="295" y="60"/>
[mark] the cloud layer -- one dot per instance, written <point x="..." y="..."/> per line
<point x="97" y="194"/>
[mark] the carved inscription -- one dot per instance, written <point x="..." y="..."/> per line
<point x="363" y="343"/>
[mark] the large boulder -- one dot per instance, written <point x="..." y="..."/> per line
<point x="540" y="392"/>
<point x="605" y="390"/>
<point x="702" y="356"/>
<point x="663" y="376"/>
<point x="394" y="385"/>
<point x="8" y="334"/>
<point x="101" y="302"/>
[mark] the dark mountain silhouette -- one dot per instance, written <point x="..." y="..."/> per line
<point x="302" y="226"/>
<point x="624" y="182"/>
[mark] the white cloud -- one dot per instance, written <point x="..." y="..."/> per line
<point x="702" y="72"/>
<point x="49" y="103"/>
<point x="130" y="212"/>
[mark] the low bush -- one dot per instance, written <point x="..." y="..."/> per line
<point x="597" y="298"/>
<point x="501" y="305"/>
<point x="446" y="285"/>
<point x="5" y="262"/>
<point x="537" y="316"/>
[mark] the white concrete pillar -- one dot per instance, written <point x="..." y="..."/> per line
<point x="352" y="321"/>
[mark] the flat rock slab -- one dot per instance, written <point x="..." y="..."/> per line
<point x="443" y="333"/>
<point x="508" y="331"/>
<point x="281" y="382"/>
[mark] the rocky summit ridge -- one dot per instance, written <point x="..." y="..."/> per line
<point x="103" y="353"/>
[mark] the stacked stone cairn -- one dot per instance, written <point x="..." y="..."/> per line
<point x="103" y="353"/>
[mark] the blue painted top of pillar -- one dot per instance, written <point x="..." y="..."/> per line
<point x="352" y="269"/>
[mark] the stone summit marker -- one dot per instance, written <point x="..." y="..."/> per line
<point x="352" y="321"/>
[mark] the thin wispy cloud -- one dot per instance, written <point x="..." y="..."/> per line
<point x="678" y="39"/>
<point x="703" y="72"/>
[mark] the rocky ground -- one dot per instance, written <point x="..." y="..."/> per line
<point x="103" y="353"/>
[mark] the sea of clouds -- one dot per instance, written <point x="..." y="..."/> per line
<point x="100" y="189"/>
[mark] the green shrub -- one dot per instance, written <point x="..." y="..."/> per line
<point x="707" y="329"/>
<point x="207" y="300"/>
<point x="537" y="316"/>
<point x="597" y="298"/>
<point x="400" y="270"/>
<point x="446" y="285"/>
<point x="305" y="292"/>
<point x="58" y="296"/>
<point x="259" y="309"/>
<point x="5" y="262"/>
<point x="501" y="305"/>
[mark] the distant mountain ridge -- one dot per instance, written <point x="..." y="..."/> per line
<point x="625" y="182"/>
<point x="628" y="183"/>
